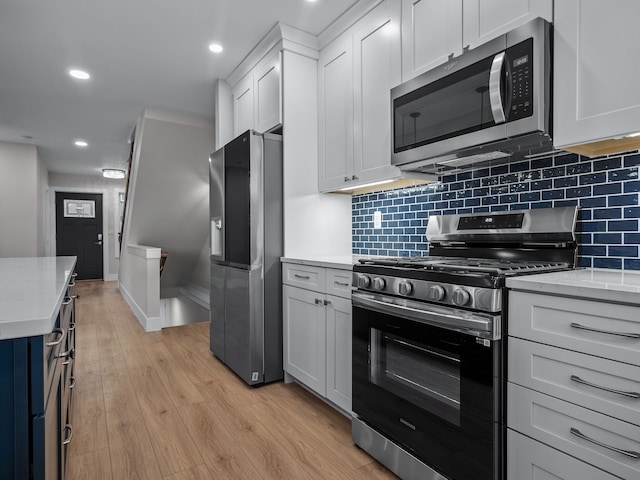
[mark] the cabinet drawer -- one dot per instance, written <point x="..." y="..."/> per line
<point x="531" y="460"/>
<point x="552" y="421"/>
<point x="613" y="388"/>
<point x="338" y="282"/>
<point x="570" y="323"/>
<point x="304" y="276"/>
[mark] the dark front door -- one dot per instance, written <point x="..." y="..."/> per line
<point x="79" y="231"/>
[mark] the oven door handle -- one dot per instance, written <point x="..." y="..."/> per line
<point x="483" y="326"/>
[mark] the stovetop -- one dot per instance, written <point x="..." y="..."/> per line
<point x="472" y="283"/>
<point x="467" y="265"/>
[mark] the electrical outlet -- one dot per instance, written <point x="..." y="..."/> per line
<point x="377" y="219"/>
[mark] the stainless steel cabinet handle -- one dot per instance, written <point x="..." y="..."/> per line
<point x="59" y="340"/>
<point x="74" y="275"/>
<point x="342" y="284"/>
<point x="304" y="277"/>
<point x="68" y="354"/>
<point x="67" y="440"/>
<point x="628" y="453"/>
<point x="606" y="332"/>
<point x="72" y="382"/>
<point x="74" y="296"/>
<point x="67" y="301"/>
<point x="577" y="379"/>
<point x="72" y="326"/>
<point x="495" y="79"/>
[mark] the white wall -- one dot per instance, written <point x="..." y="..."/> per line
<point x="314" y="223"/>
<point x="23" y="185"/>
<point x="97" y="184"/>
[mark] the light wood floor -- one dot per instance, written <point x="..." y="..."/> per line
<point x="158" y="405"/>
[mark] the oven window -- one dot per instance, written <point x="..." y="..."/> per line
<point x="425" y="375"/>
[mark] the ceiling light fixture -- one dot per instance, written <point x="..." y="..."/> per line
<point x="215" y="48"/>
<point x="80" y="143"/>
<point x="113" y="173"/>
<point x="79" y="74"/>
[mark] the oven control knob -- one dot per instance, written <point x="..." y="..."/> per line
<point x="461" y="297"/>
<point x="378" y="283"/>
<point x="436" y="293"/>
<point x="405" y="287"/>
<point x="363" y="281"/>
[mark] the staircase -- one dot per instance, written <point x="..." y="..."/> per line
<point x="167" y="210"/>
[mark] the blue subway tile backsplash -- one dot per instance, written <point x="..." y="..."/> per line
<point x="606" y="189"/>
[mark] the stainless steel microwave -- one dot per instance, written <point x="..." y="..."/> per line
<point x="483" y="107"/>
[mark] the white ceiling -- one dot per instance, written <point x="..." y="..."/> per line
<point x="140" y="53"/>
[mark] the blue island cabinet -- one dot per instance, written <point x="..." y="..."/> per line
<point x="36" y="378"/>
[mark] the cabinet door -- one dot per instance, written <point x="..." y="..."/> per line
<point x="339" y="351"/>
<point x="595" y="74"/>
<point x="305" y="337"/>
<point x="486" y="19"/>
<point x="335" y="107"/>
<point x="531" y="460"/>
<point x="376" y="58"/>
<point x="243" y="104"/>
<point x="431" y="32"/>
<point x="267" y="94"/>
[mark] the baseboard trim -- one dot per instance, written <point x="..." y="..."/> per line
<point x="150" y="324"/>
<point x="196" y="293"/>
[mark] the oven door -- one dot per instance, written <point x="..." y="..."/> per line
<point x="428" y="388"/>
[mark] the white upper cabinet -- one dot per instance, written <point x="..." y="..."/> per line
<point x="434" y="30"/>
<point x="431" y="33"/>
<point x="377" y="65"/>
<point x="596" y="96"/>
<point x="355" y="75"/>
<point x="335" y="104"/>
<point x="257" y="98"/>
<point x="243" y="106"/>
<point x="486" y="19"/>
<point x="267" y="97"/>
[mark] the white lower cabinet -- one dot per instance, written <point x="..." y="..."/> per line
<point x="317" y="331"/>
<point x="532" y="460"/>
<point x="573" y="408"/>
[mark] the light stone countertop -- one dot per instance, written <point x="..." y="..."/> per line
<point x="31" y="292"/>
<point x="343" y="262"/>
<point x="616" y="286"/>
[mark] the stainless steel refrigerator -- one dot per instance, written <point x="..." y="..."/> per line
<point x="246" y="246"/>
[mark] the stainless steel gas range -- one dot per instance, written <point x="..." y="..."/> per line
<point x="428" y="349"/>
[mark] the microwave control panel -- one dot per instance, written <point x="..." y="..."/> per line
<point x="520" y="59"/>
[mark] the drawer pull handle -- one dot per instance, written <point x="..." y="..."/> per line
<point x="628" y="453"/>
<point x="74" y="275"/>
<point x="327" y="302"/>
<point x="318" y="301"/>
<point x="342" y="284"/>
<point x="619" y="334"/>
<point x="304" y="277"/>
<point x="72" y="382"/>
<point x="68" y="354"/>
<point x="67" y="301"/>
<point x="68" y="439"/>
<point x="59" y="340"/>
<point x="577" y="379"/>
<point x="72" y="326"/>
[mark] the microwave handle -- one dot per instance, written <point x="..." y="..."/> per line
<point x="495" y="97"/>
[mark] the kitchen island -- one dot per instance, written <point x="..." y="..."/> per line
<point x="37" y="344"/>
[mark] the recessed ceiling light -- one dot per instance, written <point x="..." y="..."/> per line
<point x="79" y="74"/>
<point x="215" y="47"/>
<point x="113" y="173"/>
<point x="81" y="143"/>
